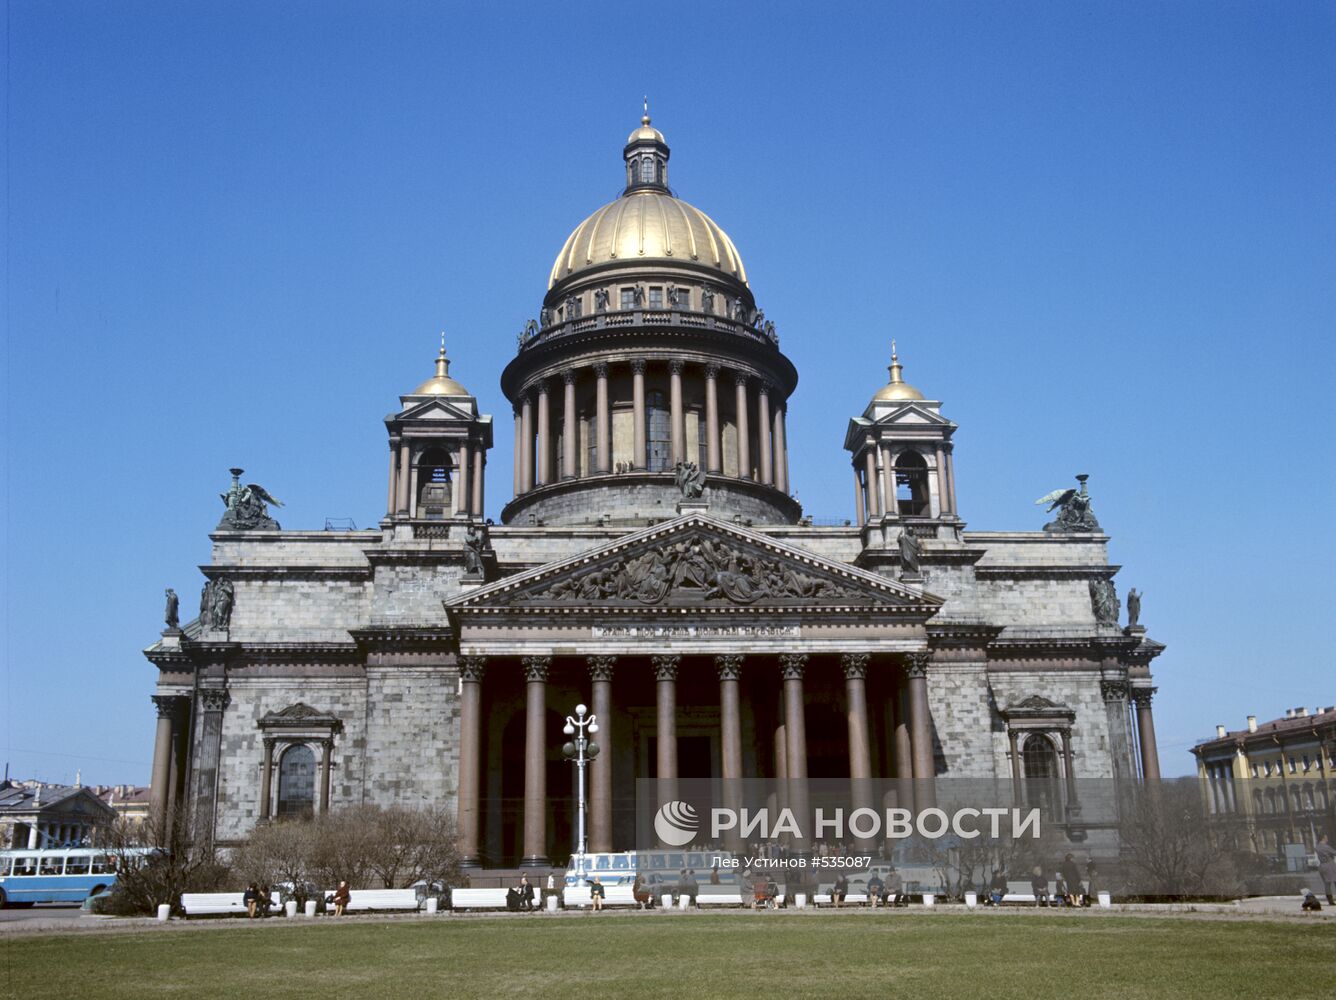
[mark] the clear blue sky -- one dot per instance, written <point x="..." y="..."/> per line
<point x="1103" y="234"/>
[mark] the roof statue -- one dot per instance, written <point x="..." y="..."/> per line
<point x="247" y="508"/>
<point x="1073" y="507"/>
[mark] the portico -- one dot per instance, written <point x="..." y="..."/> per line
<point x="704" y="648"/>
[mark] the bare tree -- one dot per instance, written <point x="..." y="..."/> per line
<point x="279" y="853"/>
<point x="144" y="881"/>
<point x="1167" y="849"/>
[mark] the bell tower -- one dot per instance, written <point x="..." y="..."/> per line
<point x="438" y="451"/>
<point x="901" y="450"/>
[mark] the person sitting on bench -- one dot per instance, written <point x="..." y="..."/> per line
<point x="895" y="889"/>
<point x="1039" y="886"/>
<point x="997" y="888"/>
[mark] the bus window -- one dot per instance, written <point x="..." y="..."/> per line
<point x="52" y="864"/>
<point x="78" y="864"/>
<point x="621" y="864"/>
<point x="25" y="866"/>
<point x="5" y="865"/>
<point x="103" y="864"/>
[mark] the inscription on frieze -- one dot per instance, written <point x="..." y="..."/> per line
<point x="696" y="631"/>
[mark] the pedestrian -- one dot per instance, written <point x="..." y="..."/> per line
<point x="691" y="888"/>
<point x="1071" y="874"/>
<point x="839" y="890"/>
<point x="341" y="898"/>
<point x="875" y="888"/>
<point x="597" y="893"/>
<point x="1310" y="903"/>
<point x="1326" y="866"/>
<point x="251" y="897"/>
<point x="1039" y="886"/>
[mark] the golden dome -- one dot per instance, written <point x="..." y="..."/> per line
<point x="897" y="388"/>
<point x="645" y="225"/>
<point x="441" y="384"/>
<point x="646" y="133"/>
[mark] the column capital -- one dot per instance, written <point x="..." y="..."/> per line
<point x="536" y="668"/>
<point x="541" y="386"/>
<point x="665" y="666"/>
<point x="168" y="705"/>
<point x="855" y="665"/>
<point x="327" y="744"/>
<point x="916" y="665"/>
<point x="472" y="668"/>
<point x="568" y="376"/>
<point x="638" y="366"/>
<point x="1142" y="696"/>
<point x="213" y="699"/>
<point x="712" y="371"/>
<point x="1113" y="690"/>
<point x="792" y="666"/>
<point x="675" y="366"/>
<point x="763" y="387"/>
<point x="741" y="379"/>
<point x="600" y="369"/>
<point x="729" y="666"/>
<point x="600" y="667"/>
<point x="269" y="743"/>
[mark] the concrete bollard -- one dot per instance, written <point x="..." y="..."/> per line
<point x="666" y="901"/>
<point x="929" y="899"/>
<point x="683" y="902"/>
<point x="800" y="901"/>
<point x="310" y="907"/>
<point x="290" y="908"/>
<point x="164" y="911"/>
<point x="1105" y="900"/>
<point x="551" y="903"/>
<point x="971" y="899"/>
<point x="432" y="904"/>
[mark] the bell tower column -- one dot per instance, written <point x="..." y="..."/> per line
<point x="763" y="433"/>
<point x="744" y="433"/>
<point x="602" y="435"/>
<point x="638" y="460"/>
<point x="712" y="449"/>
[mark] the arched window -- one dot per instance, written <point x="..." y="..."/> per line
<point x="1039" y="760"/>
<point x="911" y="485"/>
<point x="649" y="172"/>
<point x="296" y="783"/>
<point x="434" y="485"/>
<point x="658" y="432"/>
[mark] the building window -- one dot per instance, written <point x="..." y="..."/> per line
<point x="655" y="298"/>
<point x="434" y="484"/>
<point x="1253" y="770"/>
<point x="1039" y="759"/>
<point x="658" y="430"/>
<point x="649" y="170"/>
<point x="627" y="298"/>
<point x="296" y="783"/>
<point x="1293" y="766"/>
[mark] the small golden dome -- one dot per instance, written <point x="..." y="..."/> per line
<point x="441" y="384"/>
<point x="647" y="224"/>
<point x="646" y="132"/>
<point x="897" y="388"/>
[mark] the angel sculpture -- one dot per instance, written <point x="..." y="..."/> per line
<point x="690" y="480"/>
<point x="1073" y="507"/>
<point x="247" y="508"/>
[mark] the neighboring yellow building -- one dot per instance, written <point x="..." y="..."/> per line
<point x="1271" y="785"/>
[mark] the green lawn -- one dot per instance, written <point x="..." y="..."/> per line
<point x="778" y="956"/>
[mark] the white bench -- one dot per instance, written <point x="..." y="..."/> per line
<point x="381" y="899"/>
<point x="480" y="899"/>
<point x="212" y="904"/>
<point x="726" y="898"/>
<point x="576" y="897"/>
<point x="850" y="899"/>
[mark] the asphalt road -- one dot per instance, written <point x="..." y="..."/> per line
<point x="42" y="911"/>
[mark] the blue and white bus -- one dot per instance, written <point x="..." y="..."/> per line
<point x="62" y="875"/>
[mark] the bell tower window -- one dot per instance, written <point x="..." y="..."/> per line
<point x="434" y="486"/>
<point x="911" y="485"/>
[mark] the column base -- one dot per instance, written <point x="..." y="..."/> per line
<point x="470" y="861"/>
<point x="536" y="861"/>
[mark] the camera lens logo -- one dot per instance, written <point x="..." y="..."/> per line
<point x="676" y="823"/>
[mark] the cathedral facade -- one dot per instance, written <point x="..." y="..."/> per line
<point x="652" y="563"/>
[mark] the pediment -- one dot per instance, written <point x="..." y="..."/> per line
<point x="914" y="414"/>
<point x="297" y="714"/>
<point x="698" y="561"/>
<point x="439" y="408"/>
<point x="1036" y="706"/>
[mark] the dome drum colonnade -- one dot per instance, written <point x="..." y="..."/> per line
<point x="592" y="398"/>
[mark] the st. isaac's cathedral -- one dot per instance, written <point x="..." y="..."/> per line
<point x="653" y="563"/>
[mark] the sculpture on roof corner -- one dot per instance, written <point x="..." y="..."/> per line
<point x="1073" y="507"/>
<point x="172" y="613"/>
<point x="1133" y="608"/>
<point x="247" y="506"/>
<point x="690" y="480"/>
